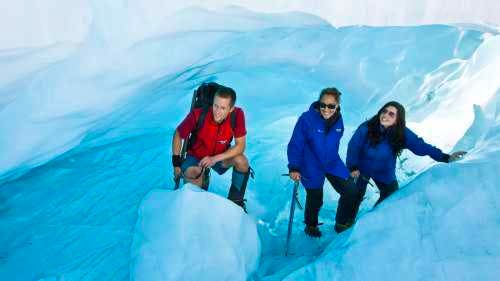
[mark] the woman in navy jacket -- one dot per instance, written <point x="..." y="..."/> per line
<point x="373" y="149"/>
<point x="313" y="155"/>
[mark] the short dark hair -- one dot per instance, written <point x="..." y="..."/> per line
<point x="226" y="92"/>
<point x="334" y="92"/>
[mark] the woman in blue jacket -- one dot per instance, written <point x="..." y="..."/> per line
<point x="373" y="149"/>
<point x="313" y="155"/>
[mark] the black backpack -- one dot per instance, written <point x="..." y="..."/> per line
<point x="203" y="97"/>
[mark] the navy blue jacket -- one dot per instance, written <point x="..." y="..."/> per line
<point x="379" y="161"/>
<point x="314" y="151"/>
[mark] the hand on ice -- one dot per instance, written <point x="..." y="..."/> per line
<point x="455" y="156"/>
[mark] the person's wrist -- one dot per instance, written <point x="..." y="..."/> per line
<point x="214" y="159"/>
<point x="447" y="158"/>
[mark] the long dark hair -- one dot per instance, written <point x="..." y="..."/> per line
<point x="396" y="132"/>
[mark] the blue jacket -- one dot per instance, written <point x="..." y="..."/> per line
<point x="379" y="161"/>
<point x="314" y="151"/>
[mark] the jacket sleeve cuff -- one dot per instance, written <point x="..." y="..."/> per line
<point x="446" y="158"/>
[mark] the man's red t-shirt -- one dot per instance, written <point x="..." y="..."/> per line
<point x="212" y="138"/>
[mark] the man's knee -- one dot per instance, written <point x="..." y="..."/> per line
<point x="193" y="175"/>
<point x="192" y="172"/>
<point x="241" y="163"/>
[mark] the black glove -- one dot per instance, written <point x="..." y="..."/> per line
<point x="176" y="160"/>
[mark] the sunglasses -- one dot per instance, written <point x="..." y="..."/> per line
<point x="390" y="113"/>
<point x="324" y="105"/>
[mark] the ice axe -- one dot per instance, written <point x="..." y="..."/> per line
<point x="296" y="196"/>
<point x="292" y="212"/>
<point x="295" y="200"/>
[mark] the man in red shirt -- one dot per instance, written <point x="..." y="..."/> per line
<point x="212" y="148"/>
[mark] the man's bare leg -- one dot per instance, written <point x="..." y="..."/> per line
<point x="194" y="175"/>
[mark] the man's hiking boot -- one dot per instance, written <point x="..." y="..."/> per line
<point x="242" y="204"/>
<point x="238" y="186"/>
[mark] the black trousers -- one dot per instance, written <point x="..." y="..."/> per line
<point x="347" y="207"/>
<point x="385" y="189"/>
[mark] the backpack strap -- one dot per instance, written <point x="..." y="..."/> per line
<point x="233" y="120"/>
<point x="201" y="119"/>
<point x="199" y="124"/>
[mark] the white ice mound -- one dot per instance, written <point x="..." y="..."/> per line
<point x="190" y="234"/>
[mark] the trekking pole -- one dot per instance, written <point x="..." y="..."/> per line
<point x="292" y="212"/>
<point x="177" y="179"/>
